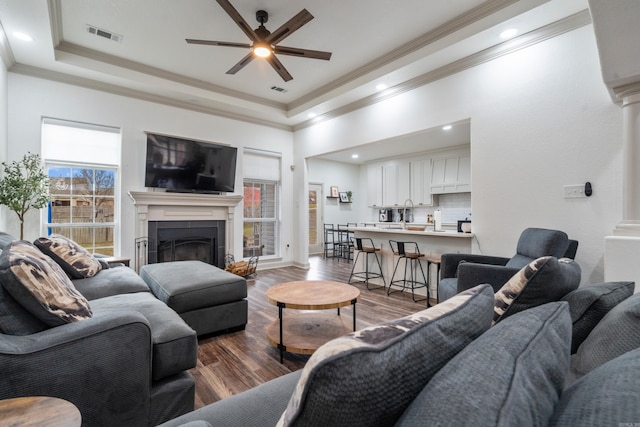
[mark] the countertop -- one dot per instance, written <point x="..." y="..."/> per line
<point x="397" y="229"/>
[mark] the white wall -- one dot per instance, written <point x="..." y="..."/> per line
<point x="345" y="177"/>
<point x="4" y="212"/>
<point x="540" y="118"/>
<point x="30" y="99"/>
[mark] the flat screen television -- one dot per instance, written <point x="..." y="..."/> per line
<point x="185" y="165"/>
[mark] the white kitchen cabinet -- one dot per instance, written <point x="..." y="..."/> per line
<point x="374" y="185"/>
<point x="395" y="183"/>
<point x="451" y="175"/>
<point x="421" y="182"/>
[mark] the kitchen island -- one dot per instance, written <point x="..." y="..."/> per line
<point x="437" y="242"/>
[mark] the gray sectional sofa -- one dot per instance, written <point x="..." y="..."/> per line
<point x="125" y="365"/>
<point x="573" y="362"/>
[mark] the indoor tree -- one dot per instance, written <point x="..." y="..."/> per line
<point x="24" y="185"/>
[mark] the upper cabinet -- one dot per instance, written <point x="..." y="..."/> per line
<point x="395" y="183"/>
<point x="451" y="174"/>
<point x="391" y="183"/>
<point x="421" y="182"/>
<point x="374" y="185"/>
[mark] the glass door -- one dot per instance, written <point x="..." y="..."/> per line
<point x="315" y="218"/>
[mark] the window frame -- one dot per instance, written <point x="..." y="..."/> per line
<point x="115" y="224"/>
<point x="275" y="220"/>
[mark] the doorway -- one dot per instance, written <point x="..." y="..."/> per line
<point x="316" y="215"/>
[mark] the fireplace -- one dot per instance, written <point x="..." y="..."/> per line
<point x="192" y="209"/>
<point x="186" y="240"/>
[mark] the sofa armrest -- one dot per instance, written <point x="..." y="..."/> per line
<point x="257" y="407"/>
<point x="102" y="365"/>
<point x="449" y="262"/>
<point x="470" y="275"/>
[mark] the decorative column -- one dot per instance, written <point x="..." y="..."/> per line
<point x="622" y="249"/>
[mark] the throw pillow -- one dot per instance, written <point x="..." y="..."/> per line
<point x="370" y="376"/>
<point x="75" y="260"/>
<point x="512" y="375"/>
<point x="616" y="334"/>
<point x="37" y="283"/>
<point x="589" y="304"/>
<point x="543" y="280"/>
<point x="607" y="396"/>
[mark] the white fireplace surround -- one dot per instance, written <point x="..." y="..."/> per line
<point x="166" y="206"/>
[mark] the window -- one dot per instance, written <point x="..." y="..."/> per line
<point x="260" y="190"/>
<point x="260" y="222"/>
<point x="82" y="163"/>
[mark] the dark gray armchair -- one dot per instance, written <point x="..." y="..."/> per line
<point x="464" y="271"/>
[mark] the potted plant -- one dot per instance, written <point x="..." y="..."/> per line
<point x="349" y="193"/>
<point x="24" y="186"/>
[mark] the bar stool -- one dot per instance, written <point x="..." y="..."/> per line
<point x="410" y="253"/>
<point x="329" y="241"/>
<point x="343" y="244"/>
<point x="365" y="246"/>
<point x="434" y="258"/>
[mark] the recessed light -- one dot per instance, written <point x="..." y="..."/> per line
<point x="507" y="34"/>
<point x="447" y="127"/>
<point x="22" y="36"/>
<point x="354" y="156"/>
<point x="311" y="115"/>
<point x="381" y="86"/>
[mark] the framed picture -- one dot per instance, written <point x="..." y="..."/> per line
<point x="334" y="191"/>
<point x="344" y="197"/>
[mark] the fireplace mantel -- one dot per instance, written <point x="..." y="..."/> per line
<point x="165" y="206"/>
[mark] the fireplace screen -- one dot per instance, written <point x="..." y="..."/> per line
<point x="187" y="240"/>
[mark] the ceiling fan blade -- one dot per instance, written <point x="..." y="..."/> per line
<point x="240" y="65"/>
<point x="238" y="19"/>
<point x="286" y="29"/>
<point x="277" y="65"/>
<point x="217" y="43"/>
<point x="305" y="53"/>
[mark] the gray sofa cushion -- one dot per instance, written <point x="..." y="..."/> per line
<point x="190" y="285"/>
<point x="607" y="396"/>
<point x="510" y="376"/>
<point x="368" y="377"/>
<point x="257" y="407"/>
<point x="15" y="319"/>
<point x="112" y="281"/>
<point x="589" y="304"/>
<point x="538" y="242"/>
<point x="5" y="239"/>
<point x="544" y="280"/>
<point x="616" y="334"/>
<point x="37" y="283"/>
<point x="75" y="260"/>
<point x="174" y="343"/>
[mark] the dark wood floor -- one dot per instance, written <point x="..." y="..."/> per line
<point x="231" y="363"/>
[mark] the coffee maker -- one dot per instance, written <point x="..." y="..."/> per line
<point x="384" y="215"/>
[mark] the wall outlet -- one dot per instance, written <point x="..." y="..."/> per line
<point x="574" y="191"/>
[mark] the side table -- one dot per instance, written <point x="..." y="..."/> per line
<point x="39" y="411"/>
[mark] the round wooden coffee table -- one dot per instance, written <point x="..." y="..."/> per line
<point x="302" y="332"/>
<point x="39" y="411"/>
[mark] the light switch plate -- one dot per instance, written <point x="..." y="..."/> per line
<point x="574" y="191"/>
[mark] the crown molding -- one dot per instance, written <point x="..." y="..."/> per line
<point x="41" y="73"/>
<point x="448" y="28"/>
<point x="5" y="50"/>
<point x="531" y="38"/>
<point x="83" y="52"/>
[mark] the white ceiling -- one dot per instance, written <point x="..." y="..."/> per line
<point x="372" y="41"/>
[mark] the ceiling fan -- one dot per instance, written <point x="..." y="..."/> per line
<point x="265" y="43"/>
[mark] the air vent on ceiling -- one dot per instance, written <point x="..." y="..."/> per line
<point x="104" y="33"/>
<point x="278" y="89"/>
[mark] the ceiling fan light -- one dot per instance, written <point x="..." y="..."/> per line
<point x="262" y="50"/>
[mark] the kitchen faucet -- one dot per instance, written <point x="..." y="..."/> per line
<point x="404" y="215"/>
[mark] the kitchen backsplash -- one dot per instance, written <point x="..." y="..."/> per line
<point x="453" y="206"/>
